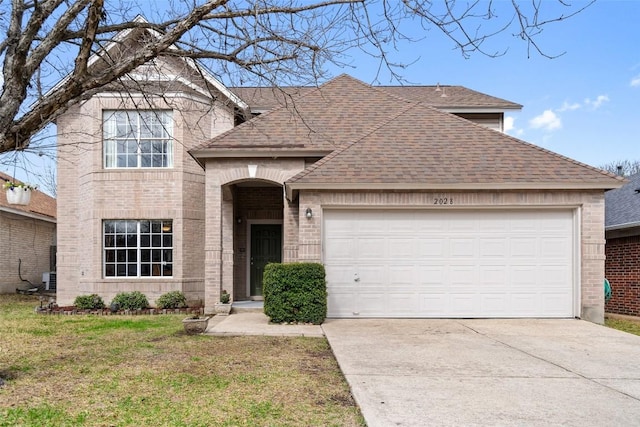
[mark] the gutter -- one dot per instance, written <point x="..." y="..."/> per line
<point x="31" y="215"/>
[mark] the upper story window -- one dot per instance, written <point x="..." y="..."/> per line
<point x="138" y="139"/>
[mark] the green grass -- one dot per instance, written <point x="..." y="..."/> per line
<point x="626" y="325"/>
<point x="144" y="371"/>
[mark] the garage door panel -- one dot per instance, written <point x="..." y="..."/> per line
<point x="430" y="247"/>
<point x="447" y="263"/>
<point x="462" y="248"/>
<point x="371" y="248"/>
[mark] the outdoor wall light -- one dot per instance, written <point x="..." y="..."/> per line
<point x="308" y="213"/>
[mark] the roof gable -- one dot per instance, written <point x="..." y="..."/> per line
<point x="322" y="119"/>
<point x="188" y="75"/>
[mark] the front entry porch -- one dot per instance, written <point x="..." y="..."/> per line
<point x="249" y="224"/>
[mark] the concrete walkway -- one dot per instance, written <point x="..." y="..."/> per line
<point x="253" y="323"/>
<point x="489" y="372"/>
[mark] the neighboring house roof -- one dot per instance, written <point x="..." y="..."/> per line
<point x="455" y="98"/>
<point x="622" y="205"/>
<point x="380" y="140"/>
<point x="41" y="205"/>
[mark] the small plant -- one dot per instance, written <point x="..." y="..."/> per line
<point x="173" y="299"/>
<point x="130" y="300"/>
<point x="9" y="185"/>
<point x="89" y="302"/>
<point x="225" y="297"/>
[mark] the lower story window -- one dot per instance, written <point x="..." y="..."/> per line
<point x="138" y="248"/>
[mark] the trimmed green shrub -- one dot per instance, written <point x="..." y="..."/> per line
<point x="89" y="302"/>
<point x="173" y="299"/>
<point x="295" y="292"/>
<point x="130" y="301"/>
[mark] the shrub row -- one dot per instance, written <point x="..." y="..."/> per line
<point x="295" y="292"/>
<point x="131" y="301"/>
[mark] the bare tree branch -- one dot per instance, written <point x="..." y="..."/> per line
<point x="57" y="53"/>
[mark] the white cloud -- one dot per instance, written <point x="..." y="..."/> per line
<point x="510" y="126"/>
<point x="569" y="107"/>
<point x="635" y="82"/>
<point x="508" y="123"/>
<point x="548" y="120"/>
<point x="596" y="103"/>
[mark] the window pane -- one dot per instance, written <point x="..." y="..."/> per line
<point x="156" y="255"/>
<point x="109" y="227"/>
<point x="109" y="241"/>
<point x="132" y="270"/>
<point x="167" y="226"/>
<point x="132" y="255"/>
<point x="167" y="241"/>
<point x="156" y="240"/>
<point x="110" y="256"/>
<point x="156" y="226"/>
<point x="167" y="270"/>
<point x="145" y="241"/>
<point x="145" y="255"/>
<point x="132" y="240"/>
<point x="121" y="256"/>
<point x="120" y="240"/>
<point x="145" y="270"/>
<point x="121" y="269"/>
<point x="110" y="270"/>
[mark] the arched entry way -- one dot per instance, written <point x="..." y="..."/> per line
<point x="257" y="234"/>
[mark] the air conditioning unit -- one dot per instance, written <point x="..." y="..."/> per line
<point x="49" y="280"/>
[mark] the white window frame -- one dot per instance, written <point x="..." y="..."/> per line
<point x="141" y="130"/>
<point x="126" y="244"/>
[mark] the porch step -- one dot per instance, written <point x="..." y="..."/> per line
<point x="247" y="307"/>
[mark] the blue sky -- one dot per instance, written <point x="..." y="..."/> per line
<point x="583" y="104"/>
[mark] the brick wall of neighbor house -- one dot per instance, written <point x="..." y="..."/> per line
<point x="88" y="194"/>
<point x="26" y="239"/>
<point x="622" y="269"/>
<point x="591" y="213"/>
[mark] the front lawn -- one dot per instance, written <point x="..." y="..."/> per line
<point x="144" y="371"/>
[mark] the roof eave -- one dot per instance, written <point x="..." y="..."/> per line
<point x="622" y="226"/>
<point x="452" y="186"/>
<point x="235" y="153"/>
<point x="33" y="215"/>
<point x="461" y="110"/>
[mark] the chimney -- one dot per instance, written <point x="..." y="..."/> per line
<point x="619" y="168"/>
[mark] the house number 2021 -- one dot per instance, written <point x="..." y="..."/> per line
<point x="443" y="201"/>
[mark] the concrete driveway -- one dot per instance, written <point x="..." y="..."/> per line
<point x="406" y="372"/>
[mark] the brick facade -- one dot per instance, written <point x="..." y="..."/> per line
<point x="89" y="194"/>
<point x="28" y="239"/>
<point x="622" y="269"/>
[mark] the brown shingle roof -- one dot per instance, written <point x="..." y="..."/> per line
<point x="444" y="97"/>
<point x="40" y="203"/>
<point x="322" y="119"/>
<point x="422" y="147"/>
<point x="379" y="140"/>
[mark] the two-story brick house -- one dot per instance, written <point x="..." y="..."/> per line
<point x="415" y="206"/>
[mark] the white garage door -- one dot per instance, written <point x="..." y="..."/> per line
<point x="449" y="263"/>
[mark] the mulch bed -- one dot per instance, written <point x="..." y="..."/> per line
<point x="72" y="310"/>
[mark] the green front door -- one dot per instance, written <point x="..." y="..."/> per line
<point x="266" y="247"/>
